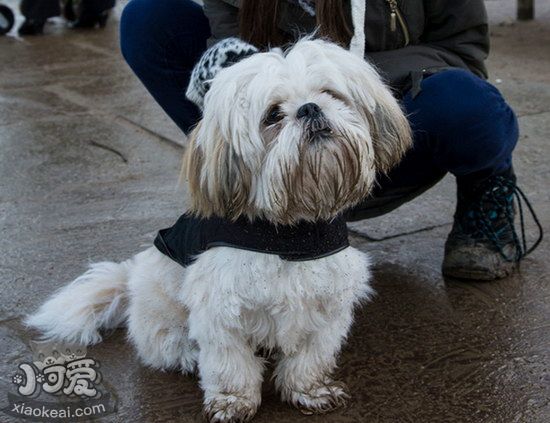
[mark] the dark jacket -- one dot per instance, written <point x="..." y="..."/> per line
<point x="432" y="34"/>
<point x="191" y="236"/>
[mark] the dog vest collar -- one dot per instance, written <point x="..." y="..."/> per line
<point x="191" y="236"/>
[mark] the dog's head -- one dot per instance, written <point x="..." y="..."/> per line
<point x="293" y="136"/>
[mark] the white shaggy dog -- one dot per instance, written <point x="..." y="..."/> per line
<point x="255" y="155"/>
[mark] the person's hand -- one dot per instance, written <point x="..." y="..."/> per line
<point x="221" y="55"/>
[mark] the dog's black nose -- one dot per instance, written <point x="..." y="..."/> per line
<point x="309" y="111"/>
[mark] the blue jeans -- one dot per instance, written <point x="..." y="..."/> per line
<point x="461" y="123"/>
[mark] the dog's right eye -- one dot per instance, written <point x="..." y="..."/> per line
<point x="273" y="115"/>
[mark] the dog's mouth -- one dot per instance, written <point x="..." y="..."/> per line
<point x="318" y="130"/>
<point x="319" y="136"/>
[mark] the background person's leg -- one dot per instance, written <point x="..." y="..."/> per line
<point x="91" y="13"/>
<point x="95" y="7"/>
<point x="161" y="41"/>
<point x="36" y="12"/>
<point x="40" y="9"/>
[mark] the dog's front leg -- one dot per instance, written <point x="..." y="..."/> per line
<point x="231" y="374"/>
<point x="303" y="374"/>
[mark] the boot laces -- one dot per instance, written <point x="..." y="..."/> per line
<point x="492" y="217"/>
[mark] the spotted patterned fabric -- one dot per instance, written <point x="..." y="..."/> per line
<point x="221" y="55"/>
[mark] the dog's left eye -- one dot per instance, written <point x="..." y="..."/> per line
<point x="335" y="94"/>
<point x="273" y="115"/>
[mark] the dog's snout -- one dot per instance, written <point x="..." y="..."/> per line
<point x="309" y="111"/>
<point x="314" y="121"/>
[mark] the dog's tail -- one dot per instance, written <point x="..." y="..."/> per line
<point x="93" y="301"/>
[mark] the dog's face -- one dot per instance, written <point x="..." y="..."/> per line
<point x="293" y="136"/>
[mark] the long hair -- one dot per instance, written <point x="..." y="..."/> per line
<point x="258" y="21"/>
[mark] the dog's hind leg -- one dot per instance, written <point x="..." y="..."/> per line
<point x="157" y="322"/>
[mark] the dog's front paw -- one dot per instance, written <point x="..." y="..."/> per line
<point x="318" y="399"/>
<point x="229" y="408"/>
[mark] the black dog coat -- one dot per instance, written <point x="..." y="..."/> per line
<point x="303" y="241"/>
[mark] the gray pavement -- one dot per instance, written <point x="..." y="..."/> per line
<point x="88" y="172"/>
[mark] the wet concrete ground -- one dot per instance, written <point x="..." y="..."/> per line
<point x="88" y="171"/>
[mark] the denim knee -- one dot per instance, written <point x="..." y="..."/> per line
<point x="148" y="27"/>
<point x="473" y="126"/>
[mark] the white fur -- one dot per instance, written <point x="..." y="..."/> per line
<point x="92" y="301"/>
<point x="215" y="314"/>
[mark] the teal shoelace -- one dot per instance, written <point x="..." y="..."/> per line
<point x="492" y="218"/>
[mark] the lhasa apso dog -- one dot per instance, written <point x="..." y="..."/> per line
<point x="287" y="139"/>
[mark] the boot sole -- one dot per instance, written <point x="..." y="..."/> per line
<point x="480" y="275"/>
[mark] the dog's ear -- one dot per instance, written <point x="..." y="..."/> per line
<point x="390" y="131"/>
<point x="389" y="128"/>
<point x="219" y="182"/>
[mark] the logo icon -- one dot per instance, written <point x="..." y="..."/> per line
<point x="59" y="370"/>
